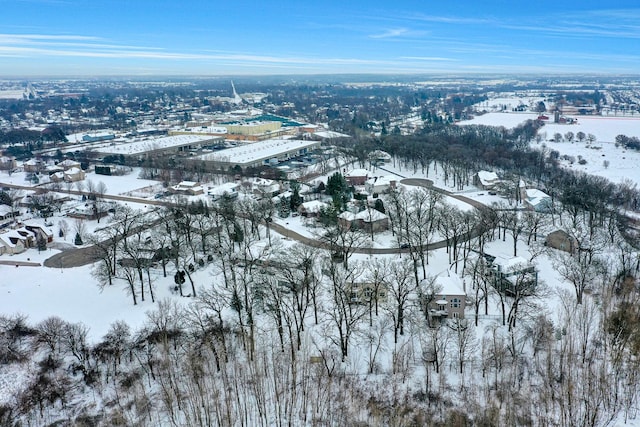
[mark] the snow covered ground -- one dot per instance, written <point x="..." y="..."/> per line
<point x="622" y="164"/>
<point x="74" y="295"/>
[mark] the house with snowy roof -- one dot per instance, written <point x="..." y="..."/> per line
<point x="227" y="190"/>
<point x="7" y="212"/>
<point x="73" y="174"/>
<point x="7" y="163"/>
<point x="369" y="220"/>
<point x="40" y="231"/>
<point x="356" y="176"/>
<point x="189" y="188"/>
<point x="32" y="165"/>
<point x="486" y="180"/>
<point x="68" y="164"/>
<point x="265" y="187"/>
<point x="513" y="274"/>
<point x="380" y="184"/>
<point x="57" y="176"/>
<point x="11" y="244"/>
<point x="379" y="157"/>
<point x="449" y="297"/>
<point x="312" y="208"/>
<point x="536" y="200"/>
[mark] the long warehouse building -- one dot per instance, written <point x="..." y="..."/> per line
<point x="263" y="153"/>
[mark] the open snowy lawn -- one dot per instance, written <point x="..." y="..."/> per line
<point x="622" y="164"/>
<point x="73" y="294"/>
<point x="603" y="159"/>
<point x="508" y="119"/>
<point x="124" y="184"/>
<point x="605" y="128"/>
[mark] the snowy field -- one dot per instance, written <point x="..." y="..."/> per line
<point x="73" y="294"/>
<point x="622" y="164"/>
<point x="12" y="94"/>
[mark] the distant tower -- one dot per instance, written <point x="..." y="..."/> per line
<point x="29" y="91"/>
<point x="236" y="98"/>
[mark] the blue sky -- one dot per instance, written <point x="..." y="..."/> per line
<point x="240" y="37"/>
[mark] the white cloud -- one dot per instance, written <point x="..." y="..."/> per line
<point x="428" y="58"/>
<point x="395" y="32"/>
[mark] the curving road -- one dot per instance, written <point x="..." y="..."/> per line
<point x="77" y="257"/>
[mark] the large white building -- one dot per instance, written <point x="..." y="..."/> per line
<point x="154" y="146"/>
<point x="263" y="153"/>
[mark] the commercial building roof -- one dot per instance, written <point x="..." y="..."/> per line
<point x="257" y="151"/>
<point x="151" y="144"/>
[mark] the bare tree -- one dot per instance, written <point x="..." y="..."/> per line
<point x="344" y="315"/>
<point x="578" y="269"/>
<point x="512" y="223"/>
<point x="400" y="288"/>
<point x="64" y="228"/>
<point x="466" y="344"/>
<point x="50" y="332"/>
<point x="79" y="186"/>
<point x="481" y="284"/>
<point x="80" y="227"/>
<point x="343" y="241"/>
<point x="569" y="136"/>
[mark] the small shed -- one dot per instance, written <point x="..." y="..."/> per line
<point x="562" y="241"/>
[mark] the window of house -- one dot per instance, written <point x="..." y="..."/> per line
<point x="455" y="315"/>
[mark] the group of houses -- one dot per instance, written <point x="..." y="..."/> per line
<point x="65" y="171"/>
<point x="24" y="236"/>
<point x="531" y="198"/>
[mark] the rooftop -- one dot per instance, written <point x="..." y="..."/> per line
<point x="258" y="150"/>
<point x="151" y="144"/>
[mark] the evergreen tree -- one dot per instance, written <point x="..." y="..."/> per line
<point x="336" y="184"/>
<point x="296" y="199"/>
<point x="42" y="244"/>
<point x="285" y="208"/>
<point x="78" y="240"/>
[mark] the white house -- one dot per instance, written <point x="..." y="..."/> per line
<point x="536" y="200"/>
<point x="11" y="243"/>
<point x="228" y="190"/>
<point x="380" y="184"/>
<point x="187" y="187"/>
<point x="265" y="187"/>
